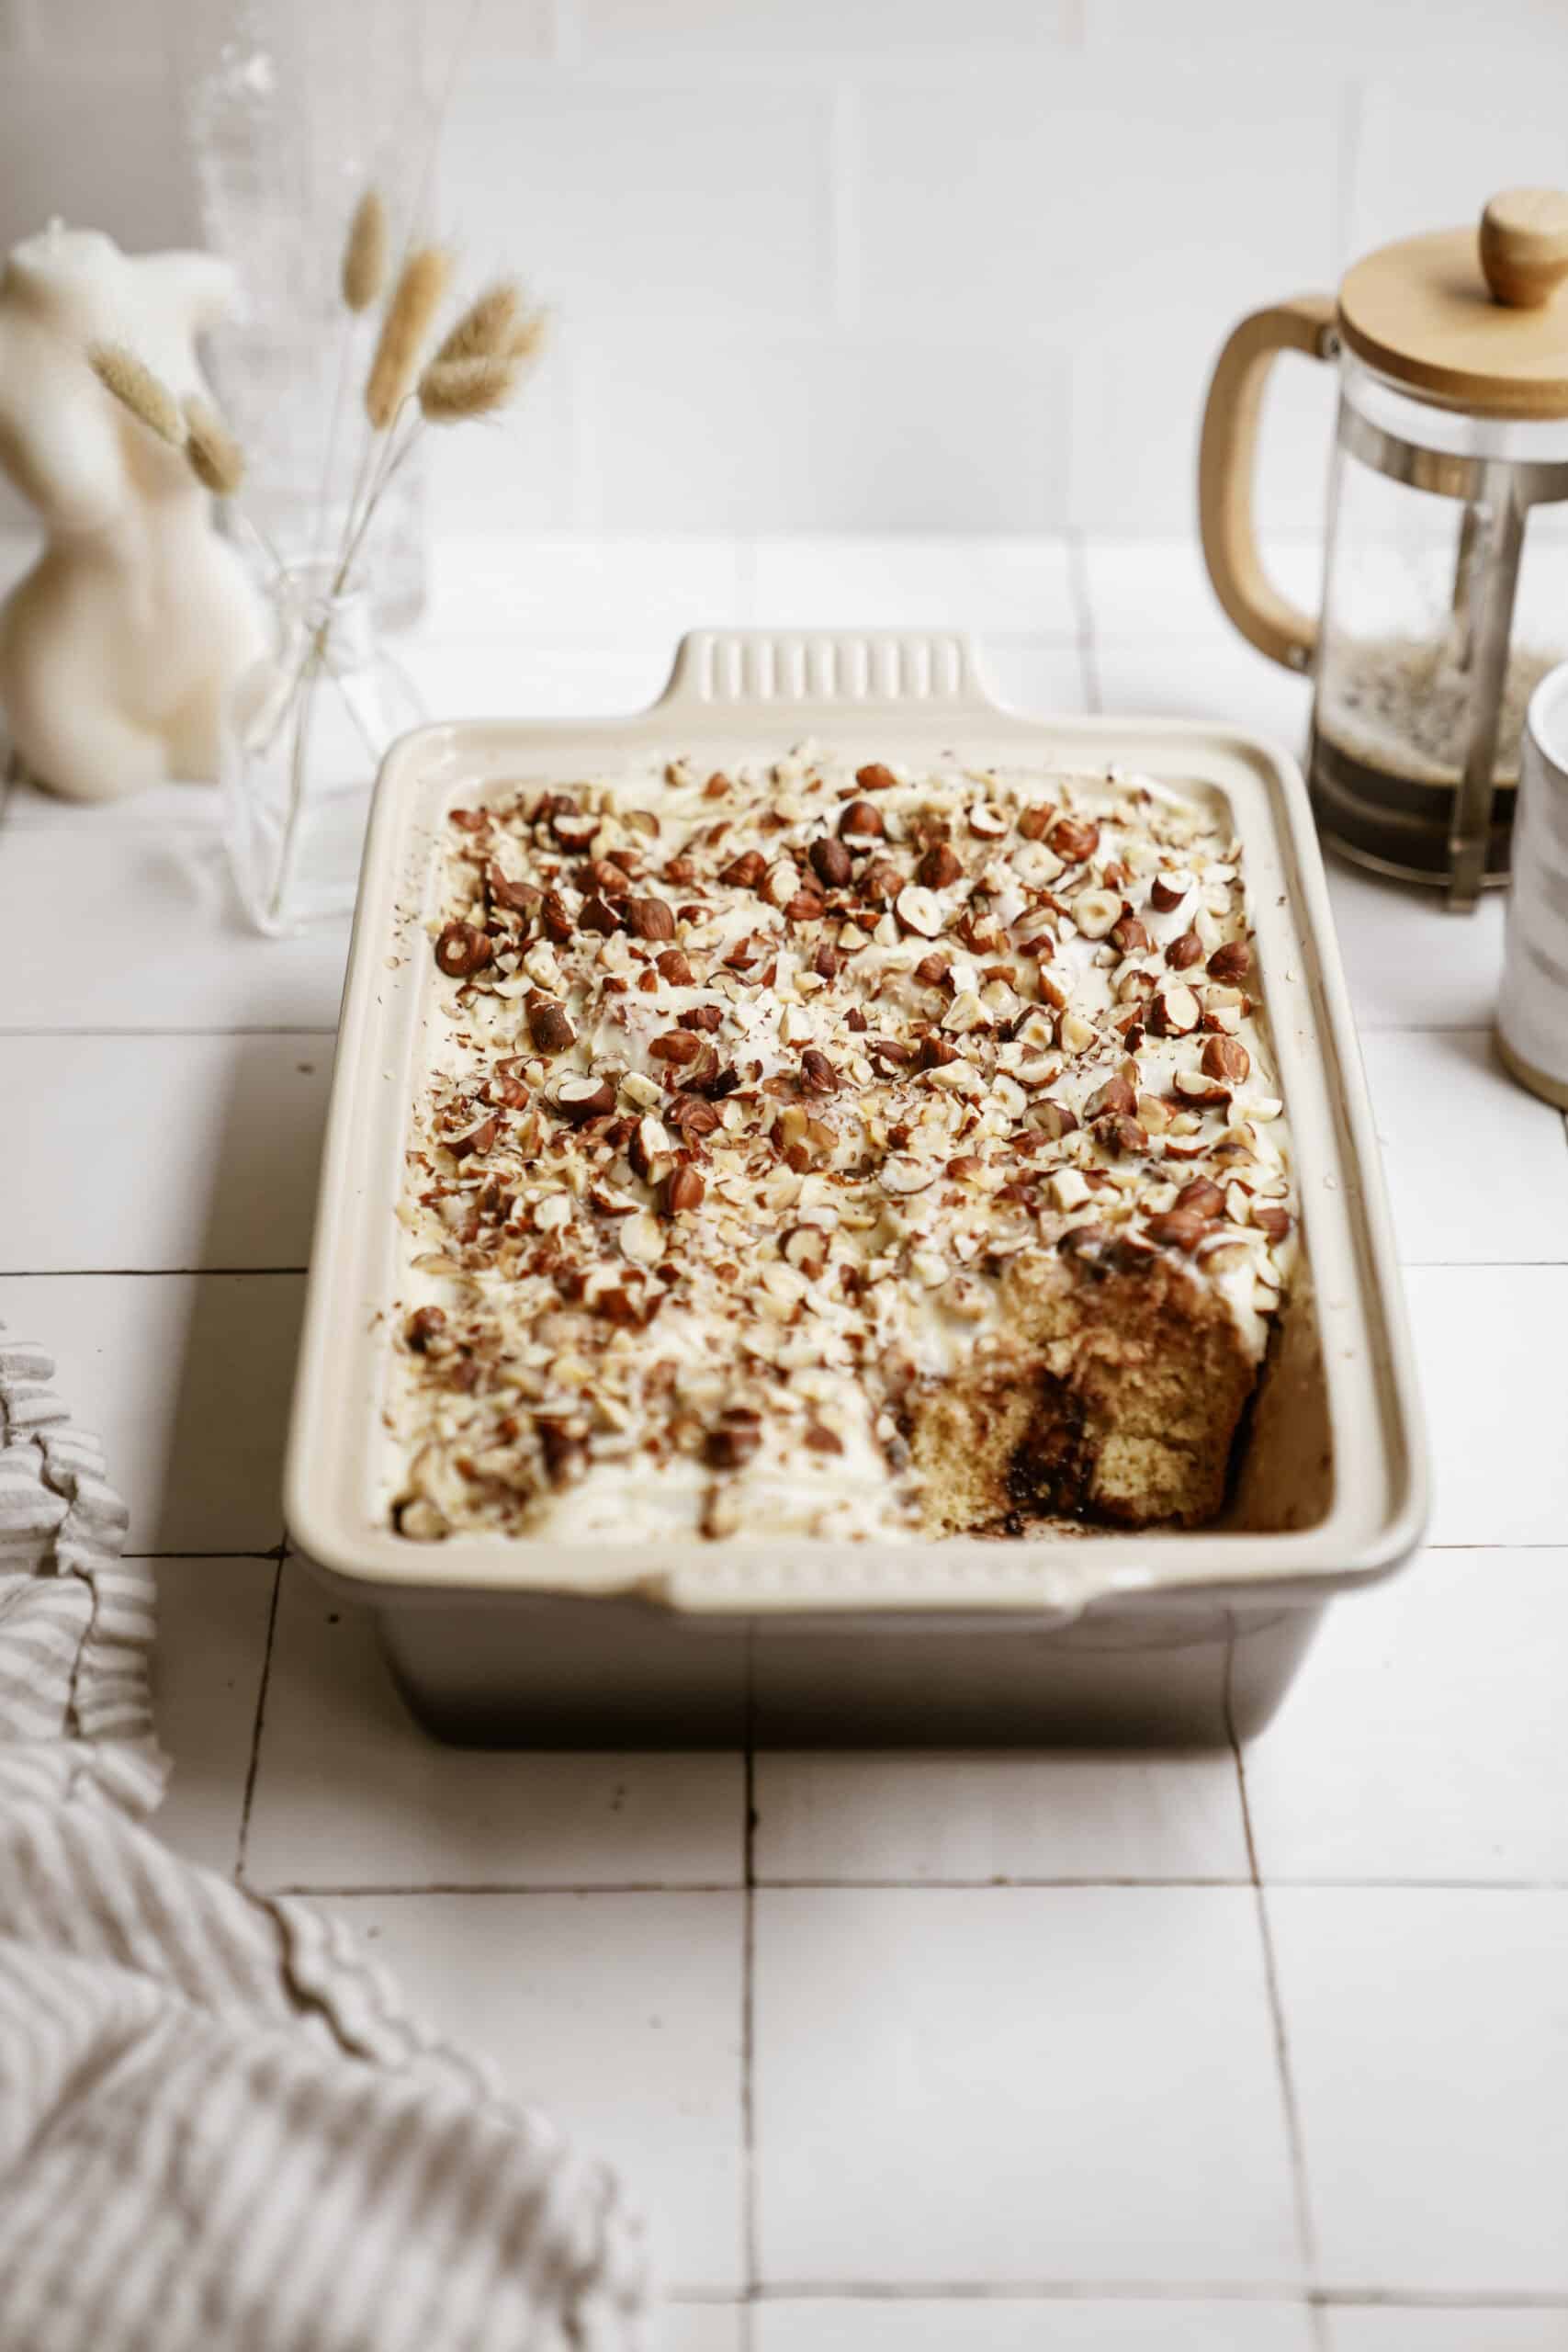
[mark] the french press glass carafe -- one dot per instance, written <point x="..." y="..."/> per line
<point x="1446" y="583"/>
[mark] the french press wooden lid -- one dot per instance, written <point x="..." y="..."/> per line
<point x="1471" y="322"/>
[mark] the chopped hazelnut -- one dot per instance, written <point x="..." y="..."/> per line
<point x="462" y="951"/>
<point x="1232" y="962"/>
<point x="1226" y="1059"/>
<point x="831" y="862"/>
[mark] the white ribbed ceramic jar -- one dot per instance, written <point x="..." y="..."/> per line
<point x="1532" y="1008"/>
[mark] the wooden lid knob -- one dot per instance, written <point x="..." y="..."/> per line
<point x="1524" y="246"/>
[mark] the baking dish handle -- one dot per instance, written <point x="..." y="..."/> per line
<point x="799" y="1585"/>
<point x="869" y="668"/>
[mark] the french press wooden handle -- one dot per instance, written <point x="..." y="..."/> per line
<point x="1226" y="465"/>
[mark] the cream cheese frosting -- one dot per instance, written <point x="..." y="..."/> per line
<point x="749" y="1096"/>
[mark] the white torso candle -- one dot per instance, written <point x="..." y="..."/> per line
<point x="117" y="648"/>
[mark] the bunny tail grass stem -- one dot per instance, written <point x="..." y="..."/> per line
<point x="391" y="458"/>
<point x="329" y="463"/>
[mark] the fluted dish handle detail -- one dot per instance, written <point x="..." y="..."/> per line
<point x="849" y="668"/>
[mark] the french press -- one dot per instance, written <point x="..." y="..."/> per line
<point x="1440" y="611"/>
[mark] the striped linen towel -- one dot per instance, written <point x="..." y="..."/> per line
<point x="219" y="2130"/>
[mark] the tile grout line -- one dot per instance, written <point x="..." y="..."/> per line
<point x="750" y="2251"/>
<point x="269" y="1553"/>
<point x="845" y="138"/>
<point x="1347" y="166"/>
<point x="136" y="1273"/>
<point x="344" y="1891"/>
<point x="1084" y="635"/>
<point x="91" y="1030"/>
<point x="1306" y="2227"/>
<point x="280" y="1553"/>
<point x="1240" y="2291"/>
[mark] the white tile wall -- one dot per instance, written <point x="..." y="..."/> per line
<point x="833" y="265"/>
<point x="767" y="31"/>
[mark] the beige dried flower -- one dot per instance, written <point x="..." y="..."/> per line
<point x="528" y="339"/>
<point x="364" y="253"/>
<point x="416" y="298"/>
<point x="486" y="325"/>
<point x="450" y="390"/>
<point x="137" y="389"/>
<point x="215" y="457"/>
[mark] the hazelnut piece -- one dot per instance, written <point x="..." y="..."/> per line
<point x="1095" y="912"/>
<point x="480" y="1139"/>
<point x="806" y="1247"/>
<point x="1114" y="1099"/>
<point x="650" y="918"/>
<point x="939" y="866"/>
<point x="1226" y="1059"/>
<point x="682" y="1189"/>
<point x="424" y="1324"/>
<point x="880" y="881"/>
<point x="598" y="914"/>
<point x="1184" y="952"/>
<point x="1231" y="962"/>
<point x="574" y="827"/>
<point x="918" y="911"/>
<point x="678" y="1046"/>
<point x="831" y="862"/>
<point x="1121" y="1135"/>
<point x="549" y="1026"/>
<point x="744" y="873"/>
<point x="1177" y="1229"/>
<point x="1175" y="1010"/>
<point x="736" y="1439"/>
<point x="1202" y="1197"/>
<point x="581" y="1097"/>
<point x="461" y="951"/>
<point x="861" y="822"/>
<point x="1074" y="839"/>
<point x="875" y="777"/>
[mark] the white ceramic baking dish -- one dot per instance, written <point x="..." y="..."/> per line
<point x="1165" y="1636"/>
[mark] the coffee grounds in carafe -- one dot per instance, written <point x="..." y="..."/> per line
<point x="1404" y="705"/>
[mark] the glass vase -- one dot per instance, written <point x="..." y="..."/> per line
<point x="304" y="734"/>
<point x="292" y="108"/>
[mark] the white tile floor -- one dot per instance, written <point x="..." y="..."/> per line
<point x="1107" y="2053"/>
